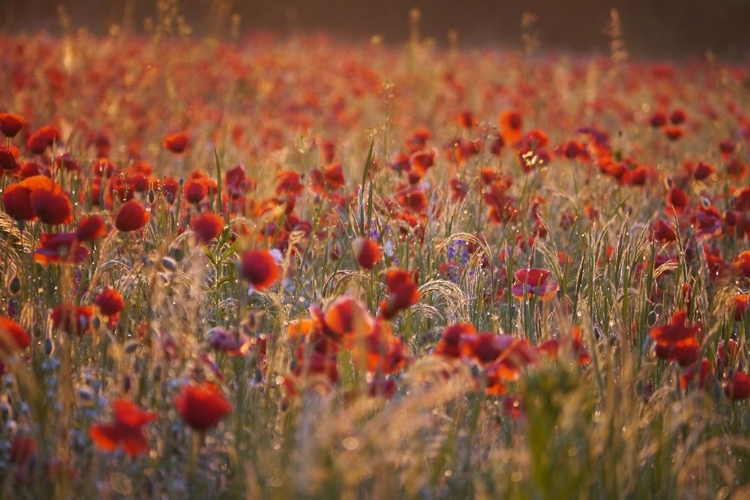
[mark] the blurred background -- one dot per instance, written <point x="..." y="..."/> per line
<point x="651" y="28"/>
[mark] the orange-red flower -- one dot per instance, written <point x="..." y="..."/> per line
<point x="367" y="252"/>
<point x="195" y="190"/>
<point x="676" y="341"/>
<point x="450" y="343"/>
<point x="259" y="268"/>
<point x="126" y="431"/>
<point x="738" y="387"/>
<point x="131" y="216"/>
<point x="17" y="204"/>
<point x="402" y="292"/>
<point x="551" y="347"/>
<point x="91" y="227"/>
<point x="738" y="305"/>
<point x="202" y="406"/>
<point x="533" y="282"/>
<point x="176" y="143"/>
<point x="73" y="320"/>
<point x="48" y="201"/>
<point x="43" y="138"/>
<point x="11" y="124"/>
<point x="13" y="337"/>
<point x="206" y="226"/>
<point x="61" y="248"/>
<point x="110" y="302"/>
<point x="7" y="159"/>
<point x="742" y="263"/>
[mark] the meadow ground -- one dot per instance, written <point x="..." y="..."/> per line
<point x="306" y="268"/>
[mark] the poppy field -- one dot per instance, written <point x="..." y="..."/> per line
<point x="307" y="268"/>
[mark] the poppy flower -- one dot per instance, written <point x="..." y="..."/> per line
<point x="450" y="343"/>
<point x="511" y="123"/>
<point x="61" y="248"/>
<point x="259" y="268"/>
<point x="738" y="305"/>
<point x="73" y="320"/>
<point x="703" y="368"/>
<point x="236" y="182"/>
<point x="7" y="159"/>
<point x="551" y="347"/>
<point x="533" y="282"/>
<point x="675" y="330"/>
<point x="195" y="190"/>
<point x="367" y="252"/>
<point x="742" y="263"/>
<point x="126" y="431"/>
<point x="206" y="226"/>
<point x="110" y="302"/>
<point x="402" y="292"/>
<point x="49" y="202"/>
<point x="176" y="143"/>
<point x="672" y="132"/>
<point x="333" y="176"/>
<point x="11" y="124"/>
<point x="13" y="337"/>
<point x="677" y="200"/>
<point x="202" y="406"/>
<point x="484" y="347"/>
<point x="43" y="138"/>
<point x="658" y="119"/>
<point x="131" y="217"/>
<point x="703" y="171"/>
<point x="738" y="387"/>
<point x="347" y="317"/>
<point x="17" y="203"/>
<point x="678" y="116"/>
<point x="90" y="228"/>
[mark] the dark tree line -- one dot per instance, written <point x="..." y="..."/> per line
<point x="656" y="28"/>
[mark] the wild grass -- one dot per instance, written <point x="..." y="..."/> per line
<point x="618" y="426"/>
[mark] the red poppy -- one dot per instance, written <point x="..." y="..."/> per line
<point x="131" y="217"/>
<point x="48" y="201"/>
<point x="11" y="124"/>
<point x="91" y="227"/>
<point x="658" y="119"/>
<point x="259" y="268"/>
<point x="110" y="302"/>
<point x="380" y="351"/>
<point x="289" y="182"/>
<point x="450" y="344"/>
<point x="511" y="124"/>
<point x="43" y="138"/>
<point x="333" y="175"/>
<point x="73" y="320"/>
<point x="703" y="368"/>
<point x="738" y="305"/>
<point x="202" y="406"/>
<point x="17" y="203"/>
<point x="125" y="431"/>
<point x="533" y="282"/>
<point x="677" y="200"/>
<point x="675" y="330"/>
<point x="551" y="347"/>
<point x="703" y="171"/>
<point x="402" y="292"/>
<point x="176" y="143"/>
<point x="13" y="337"/>
<point x="61" y="248"/>
<point x="738" y="387"/>
<point x="367" y="252"/>
<point x="484" y="347"/>
<point x="7" y="159"/>
<point x="672" y="132"/>
<point x="195" y="190"/>
<point x="347" y="317"/>
<point x="206" y="226"/>
<point x="742" y="263"/>
<point x="236" y="182"/>
<point x="663" y="231"/>
<point x="678" y="116"/>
